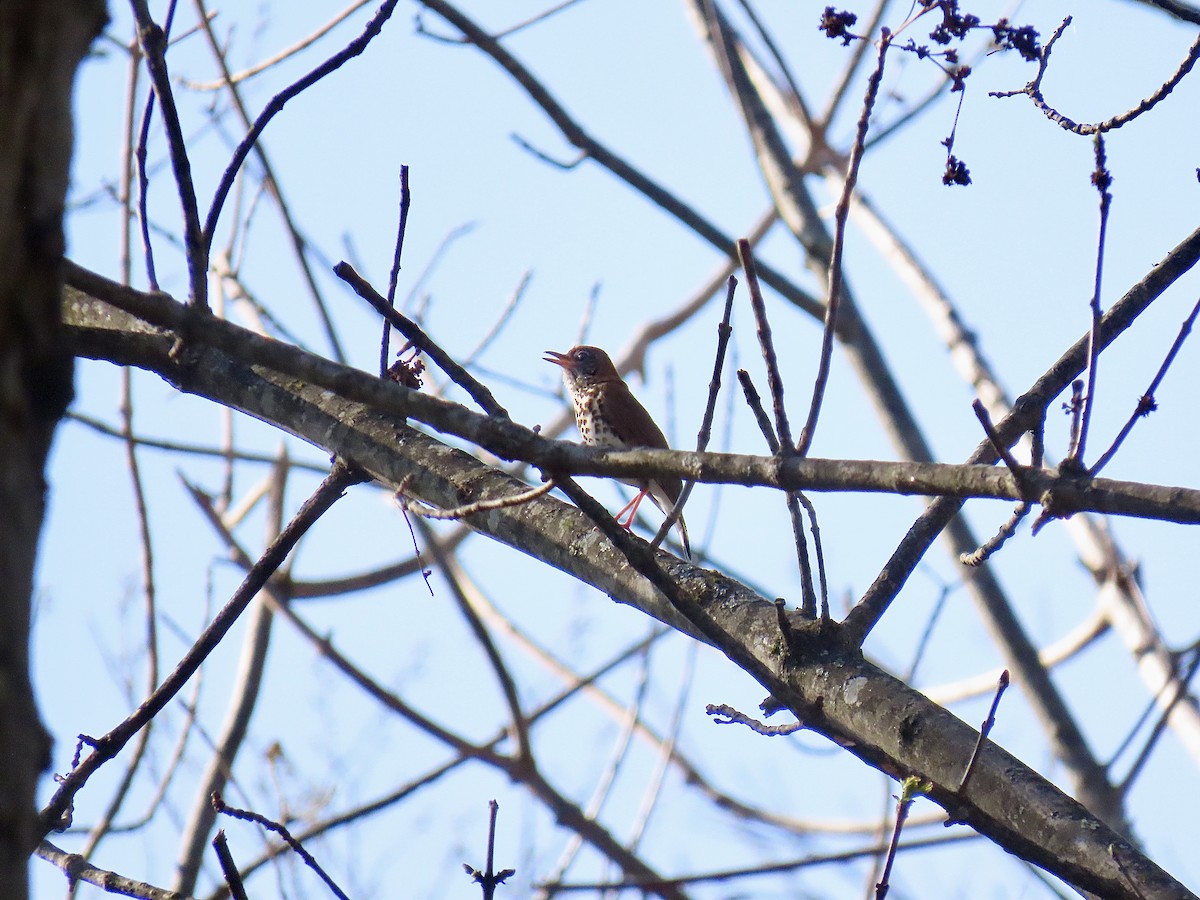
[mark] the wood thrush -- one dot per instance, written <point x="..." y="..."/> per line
<point x="608" y="415"/>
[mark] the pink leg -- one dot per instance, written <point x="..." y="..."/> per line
<point x="629" y="510"/>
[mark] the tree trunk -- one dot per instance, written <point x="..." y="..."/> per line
<point x="41" y="45"/>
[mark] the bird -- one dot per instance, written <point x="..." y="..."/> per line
<point x="608" y="415"/>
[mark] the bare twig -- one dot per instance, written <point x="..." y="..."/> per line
<point x="78" y="869"/>
<point x="774" y="379"/>
<point x="783" y="446"/>
<point x="490" y="878"/>
<point x="1002" y="451"/>
<point x="593" y="149"/>
<point x="1102" y="179"/>
<point x="815" y="530"/>
<point x="842" y="212"/>
<point x="508" y="687"/>
<point x="229" y="869"/>
<point x="394" y="274"/>
<point x="1034" y="91"/>
<point x="503" y="319"/>
<point x="667" y="749"/>
<point x="179" y="447"/>
<point x="276" y="103"/>
<point x="1028" y="411"/>
<point x="727" y="715"/>
<point x="279" y="57"/>
<point x="1179" y="689"/>
<point x="309" y="860"/>
<point x="724" y="332"/>
<point x="984" y="731"/>
<point x="419" y="339"/>
<point x="1184" y="11"/>
<point x="816" y="859"/>
<point x="153" y="41"/>
<point x="1146" y="404"/>
<point x="245" y="691"/>
<point x="754" y="401"/>
<point x="470" y="509"/>
<point x="910" y="788"/>
<point x="985" y="550"/>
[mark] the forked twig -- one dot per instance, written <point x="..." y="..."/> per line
<point x="271" y="825"/>
<point x="414" y="333"/>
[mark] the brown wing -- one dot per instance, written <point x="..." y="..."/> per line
<point x="628" y="418"/>
<point x="631" y="423"/>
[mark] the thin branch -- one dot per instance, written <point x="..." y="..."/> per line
<point x="233" y="880"/>
<point x="1180" y="10"/>
<point x="510" y="307"/>
<point x="1102" y="179"/>
<point x="77" y="869"/>
<point x="271" y="61"/>
<point x="490" y="878"/>
<point x="1002" y="451"/>
<point x="420" y="340"/>
<point x="842" y="212"/>
<point x="1034" y="91"/>
<point x="984" y="731"/>
<point x="985" y="550"/>
<point x="783" y="446"/>
<point x="195" y="449"/>
<point x="276" y="103"/>
<point x="722" y="714"/>
<point x="101" y="828"/>
<point x="911" y="788"/>
<point x="309" y="860"/>
<point x="512" y="441"/>
<point x="724" y="332"/>
<point x="813" y="860"/>
<point x="1179" y="690"/>
<point x="754" y="401"/>
<point x="766" y="345"/>
<point x="394" y="274"/>
<point x="1146" y="403"/>
<point x="153" y="42"/>
<point x="108" y="746"/>
<point x="244" y="693"/>
<point x="470" y="509"/>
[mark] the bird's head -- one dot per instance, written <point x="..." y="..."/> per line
<point x="584" y="365"/>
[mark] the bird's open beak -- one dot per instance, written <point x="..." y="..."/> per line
<point x="559" y="359"/>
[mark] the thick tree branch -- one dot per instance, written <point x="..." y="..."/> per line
<point x="107" y="334"/>
<point x="874" y="716"/>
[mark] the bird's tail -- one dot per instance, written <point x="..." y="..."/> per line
<point x="683" y="538"/>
